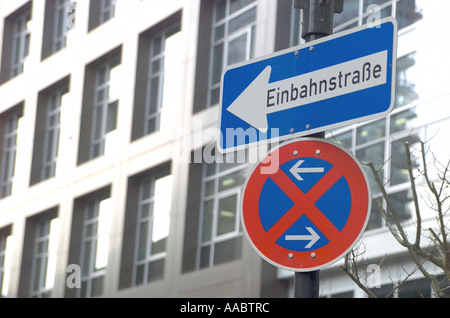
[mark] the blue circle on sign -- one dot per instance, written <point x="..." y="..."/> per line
<point x="334" y="204"/>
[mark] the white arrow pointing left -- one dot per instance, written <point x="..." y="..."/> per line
<point x="250" y="106"/>
<point x="296" y="170"/>
<point x="313" y="237"/>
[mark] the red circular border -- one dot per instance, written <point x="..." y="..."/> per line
<point x="338" y="246"/>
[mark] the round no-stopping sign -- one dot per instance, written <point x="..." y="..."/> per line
<point x="306" y="205"/>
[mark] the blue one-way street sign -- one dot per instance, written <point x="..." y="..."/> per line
<point x="341" y="79"/>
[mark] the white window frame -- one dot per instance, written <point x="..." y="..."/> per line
<point x="63" y="10"/>
<point x="90" y="273"/>
<point x="39" y="287"/>
<point x="52" y="132"/>
<point x="102" y="110"/>
<point x="216" y="196"/>
<point x="9" y="154"/>
<point x="107" y="10"/>
<point x="20" y="43"/>
<point x="149" y="257"/>
<point x="158" y="75"/>
<point x="3" y="246"/>
<point x="226" y="39"/>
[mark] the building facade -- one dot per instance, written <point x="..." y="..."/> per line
<point x="110" y="185"/>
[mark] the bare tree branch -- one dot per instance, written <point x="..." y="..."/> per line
<point x="440" y="213"/>
<point x="396" y="231"/>
<point x="438" y="252"/>
<point x="350" y="267"/>
<point x="414" y="193"/>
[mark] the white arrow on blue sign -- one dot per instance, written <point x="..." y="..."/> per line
<point x="338" y="80"/>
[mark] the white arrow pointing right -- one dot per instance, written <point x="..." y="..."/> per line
<point x="313" y="238"/>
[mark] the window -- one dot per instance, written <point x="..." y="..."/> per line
<point x="104" y="111"/>
<point x="356" y="12"/>
<point x="100" y="12"/>
<point x="213" y="231"/>
<point x="2" y="258"/>
<point x="220" y="232"/>
<point x="40" y="285"/>
<point x="226" y="36"/>
<point x="412" y="288"/>
<point x="52" y="134"/>
<point x="151" y="76"/>
<point x="89" y="245"/>
<point x="63" y="21"/>
<point x="147" y="225"/>
<point x="213" y="234"/>
<point x="39" y="255"/>
<point x="152" y="228"/>
<point x="419" y="288"/>
<point x="5" y="233"/>
<point x="408" y="12"/>
<point x="99" y="114"/>
<point x="233" y="39"/>
<point x="155" y="80"/>
<point x="348" y="294"/>
<point x="21" y="42"/>
<point x="9" y="123"/>
<point x="59" y="19"/>
<point x="47" y="131"/>
<point x="16" y="42"/>
<point x="94" y="245"/>
<point x="63" y="9"/>
<point x="107" y="10"/>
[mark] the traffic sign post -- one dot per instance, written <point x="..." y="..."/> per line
<point x="311" y="211"/>
<point x="317" y="22"/>
<point x="330" y="82"/>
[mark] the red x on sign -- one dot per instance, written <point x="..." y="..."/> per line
<point x="311" y="211"/>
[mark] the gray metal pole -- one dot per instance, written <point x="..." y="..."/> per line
<point x="306" y="285"/>
<point x="318" y="17"/>
<point x="318" y="21"/>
